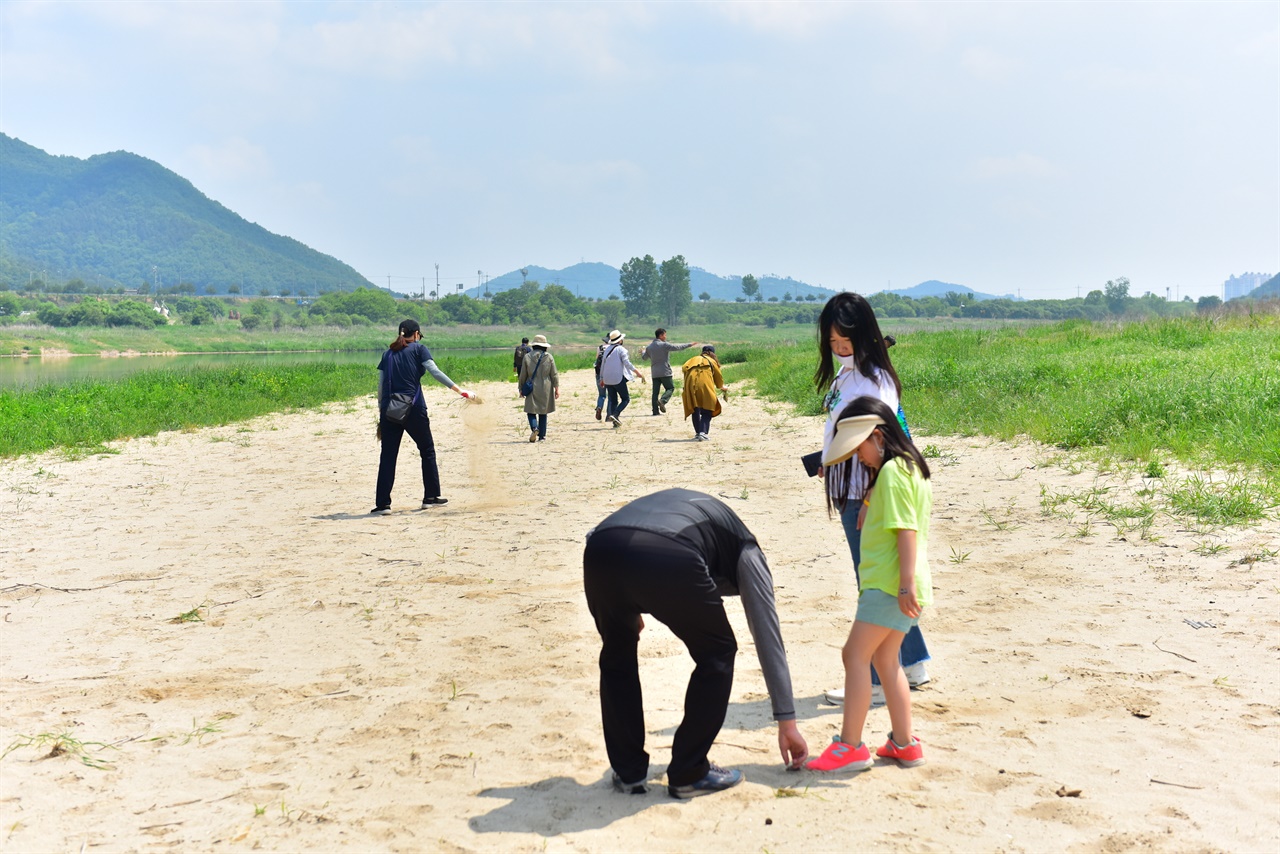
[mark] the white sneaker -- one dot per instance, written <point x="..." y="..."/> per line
<point x="836" y="696"/>
<point x="917" y="675"/>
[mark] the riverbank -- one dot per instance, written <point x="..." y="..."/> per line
<point x="269" y="666"/>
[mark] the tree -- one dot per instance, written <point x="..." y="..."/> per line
<point x="1116" y="292"/>
<point x="1208" y="303"/>
<point x="750" y="287"/>
<point x="674" y="295"/>
<point x="638" y="280"/>
<point x="704" y="296"/>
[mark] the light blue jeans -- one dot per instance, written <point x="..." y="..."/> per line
<point x="913" y="649"/>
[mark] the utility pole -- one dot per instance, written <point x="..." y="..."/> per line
<point x="424" y="289"/>
<point x="388" y="283"/>
<point x="478" y="275"/>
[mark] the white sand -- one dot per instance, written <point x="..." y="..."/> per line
<point x="427" y="681"/>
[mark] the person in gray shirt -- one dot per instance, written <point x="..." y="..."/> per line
<point x="675" y="554"/>
<point x="658" y="352"/>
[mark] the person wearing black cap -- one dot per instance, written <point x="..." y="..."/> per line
<point x="702" y="379"/>
<point x="400" y="375"/>
<point x="674" y="555"/>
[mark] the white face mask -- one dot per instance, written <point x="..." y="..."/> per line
<point x="847" y="361"/>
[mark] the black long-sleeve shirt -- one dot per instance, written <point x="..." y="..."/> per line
<point x="736" y="565"/>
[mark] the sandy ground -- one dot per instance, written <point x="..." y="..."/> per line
<point x="426" y="681"/>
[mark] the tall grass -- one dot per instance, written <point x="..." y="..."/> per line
<point x="1199" y="390"/>
<point x="85" y="415"/>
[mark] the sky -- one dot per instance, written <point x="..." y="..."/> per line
<point x="1029" y="148"/>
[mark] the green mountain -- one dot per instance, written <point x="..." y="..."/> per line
<point x="1269" y="288"/>
<point x="122" y="220"/>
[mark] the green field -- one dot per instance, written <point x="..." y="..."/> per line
<point x="1203" y="392"/>
<point x="1196" y="390"/>
<point x="230" y="337"/>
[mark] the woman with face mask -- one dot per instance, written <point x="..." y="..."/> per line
<point x="853" y="360"/>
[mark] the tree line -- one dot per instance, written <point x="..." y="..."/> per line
<point x="652" y="293"/>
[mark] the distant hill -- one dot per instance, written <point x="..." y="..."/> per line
<point x="114" y="217"/>
<point x="1269" y="288"/>
<point x="934" y="288"/>
<point x="600" y="281"/>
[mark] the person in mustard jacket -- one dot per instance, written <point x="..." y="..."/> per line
<point x="702" y="378"/>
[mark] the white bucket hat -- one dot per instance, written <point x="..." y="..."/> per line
<point x="849" y="434"/>
<point x="540" y="341"/>
<point x="615" y="337"/>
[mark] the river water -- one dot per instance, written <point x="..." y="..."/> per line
<point x="28" y="372"/>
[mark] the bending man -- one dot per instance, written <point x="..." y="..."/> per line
<point x="674" y="554"/>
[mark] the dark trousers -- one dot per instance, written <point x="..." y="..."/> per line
<point x="702" y="421"/>
<point x="659" y="384"/>
<point x="619" y="397"/>
<point x="627" y="573"/>
<point x="913" y="649"/>
<point x="538" y="423"/>
<point x="418" y="426"/>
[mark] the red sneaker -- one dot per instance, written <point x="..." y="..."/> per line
<point x="909" y="756"/>
<point x="842" y="757"/>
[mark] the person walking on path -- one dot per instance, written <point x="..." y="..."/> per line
<point x="400" y="373"/>
<point x="600" y="395"/>
<point x="893" y="581"/>
<point x="616" y="371"/>
<point x="522" y="350"/>
<point x="658" y="352"/>
<point x="702" y="379"/>
<point x="675" y="554"/>
<point x="848" y="334"/>
<point x="539" y="367"/>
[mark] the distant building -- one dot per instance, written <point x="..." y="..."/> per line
<point x="1240" y="286"/>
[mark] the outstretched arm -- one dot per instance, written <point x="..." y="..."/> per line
<point x="755" y="585"/>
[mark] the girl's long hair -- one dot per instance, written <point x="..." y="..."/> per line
<point x="854" y="318"/>
<point x="400" y="343"/>
<point x="896" y="444"/>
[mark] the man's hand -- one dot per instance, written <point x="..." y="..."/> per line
<point x="792" y="745"/>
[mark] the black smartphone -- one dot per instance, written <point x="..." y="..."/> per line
<point x="812" y="463"/>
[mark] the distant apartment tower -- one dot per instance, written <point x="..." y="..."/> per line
<point x="1240" y="286"/>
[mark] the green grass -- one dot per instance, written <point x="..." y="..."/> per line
<point x="1201" y="391"/>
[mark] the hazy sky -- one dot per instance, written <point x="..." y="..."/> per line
<point x="1028" y="147"/>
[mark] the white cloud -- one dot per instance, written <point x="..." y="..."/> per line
<point x="598" y="177"/>
<point x="784" y="17"/>
<point x="235" y="159"/>
<point x="1021" y="165"/>
<point x="988" y="65"/>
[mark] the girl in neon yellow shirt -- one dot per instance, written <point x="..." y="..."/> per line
<point x="894" y="583"/>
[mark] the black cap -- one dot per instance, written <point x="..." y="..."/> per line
<point x="409" y="326"/>
<point x="708" y="348"/>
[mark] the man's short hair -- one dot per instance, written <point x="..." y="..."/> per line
<point x="524" y="340"/>
<point x="659" y="332"/>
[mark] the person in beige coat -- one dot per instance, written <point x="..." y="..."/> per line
<point x="702" y="379"/>
<point x="540" y="367"/>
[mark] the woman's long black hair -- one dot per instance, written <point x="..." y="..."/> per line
<point x="854" y="318"/>
<point x="896" y="444"/>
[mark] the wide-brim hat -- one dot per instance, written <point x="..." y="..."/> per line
<point x="849" y="434"/>
<point x="615" y="337"/>
<point x="540" y="341"/>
